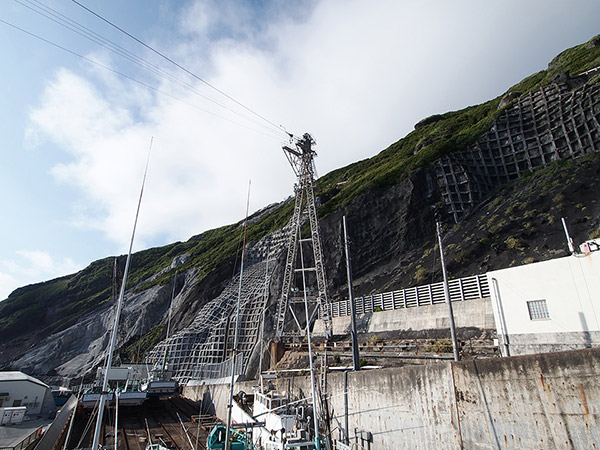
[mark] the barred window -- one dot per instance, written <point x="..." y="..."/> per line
<point x="538" y="309"/>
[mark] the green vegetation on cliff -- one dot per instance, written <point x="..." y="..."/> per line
<point x="441" y="134"/>
<point x="56" y="304"/>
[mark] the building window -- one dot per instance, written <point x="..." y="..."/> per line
<point x="538" y="309"/>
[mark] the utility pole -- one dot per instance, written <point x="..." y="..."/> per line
<point x="355" y="355"/>
<point x="310" y="358"/>
<point x="447" y="294"/>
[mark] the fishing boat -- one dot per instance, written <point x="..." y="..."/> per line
<point x="91" y="397"/>
<point x="131" y="394"/>
<point x="61" y="395"/>
<point x="286" y="425"/>
<point x="216" y="440"/>
<point x="275" y="422"/>
<point x="160" y="384"/>
<point x="126" y="382"/>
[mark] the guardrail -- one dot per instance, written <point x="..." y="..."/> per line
<point x="468" y="288"/>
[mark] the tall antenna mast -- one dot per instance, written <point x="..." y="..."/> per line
<point x="113" y="339"/>
<point x="314" y="287"/>
<point x="237" y="329"/>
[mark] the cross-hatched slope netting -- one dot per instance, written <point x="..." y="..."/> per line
<point x="546" y="125"/>
<point x="202" y="349"/>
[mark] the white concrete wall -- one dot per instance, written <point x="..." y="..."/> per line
<point x="28" y="393"/>
<point x="571" y="288"/>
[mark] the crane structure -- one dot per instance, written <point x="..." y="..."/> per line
<point x="304" y="281"/>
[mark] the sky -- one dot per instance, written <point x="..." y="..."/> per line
<point x="209" y="89"/>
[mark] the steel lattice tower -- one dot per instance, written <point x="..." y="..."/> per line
<point x="304" y="274"/>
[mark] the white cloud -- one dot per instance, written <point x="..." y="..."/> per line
<point x="37" y="261"/>
<point x="29" y="266"/>
<point x="8" y="283"/>
<point x="356" y="74"/>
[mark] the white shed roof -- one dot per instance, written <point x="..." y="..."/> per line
<point x="20" y="376"/>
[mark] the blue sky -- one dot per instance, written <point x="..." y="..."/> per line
<point x="357" y="75"/>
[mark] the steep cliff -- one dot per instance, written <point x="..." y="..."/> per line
<point x="456" y="166"/>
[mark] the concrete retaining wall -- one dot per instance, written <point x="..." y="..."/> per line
<point x="215" y="395"/>
<point x="468" y="314"/>
<point x="548" y="400"/>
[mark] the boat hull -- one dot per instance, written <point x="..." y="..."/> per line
<point x="161" y="388"/>
<point x="90" y="400"/>
<point x="131" y="398"/>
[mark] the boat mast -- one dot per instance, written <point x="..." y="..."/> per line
<point x="164" y="366"/>
<point x="237" y="326"/>
<point x="73" y="416"/>
<point x="113" y="339"/>
<point x="355" y="354"/>
<point x="262" y="321"/>
<point x="116" y="433"/>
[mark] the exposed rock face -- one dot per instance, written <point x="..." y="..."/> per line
<point x="508" y="98"/>
<point x="595" y="42"/>
<point x="82" y="347"/>
<point x="428" y="120"/>
<point x="383" y="225"/>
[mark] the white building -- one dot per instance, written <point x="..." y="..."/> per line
<point x="19" y="389"/>
<point x="547" y="306"/>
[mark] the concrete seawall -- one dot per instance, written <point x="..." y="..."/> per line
<point x="547" y="400"/>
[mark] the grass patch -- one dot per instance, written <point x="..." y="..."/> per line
<point x="515" y="243"/>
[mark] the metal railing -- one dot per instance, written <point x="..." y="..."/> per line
<point x="468" y="288"/>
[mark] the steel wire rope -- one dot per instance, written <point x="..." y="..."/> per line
<point x="91" y="35"/>
<point x="277" y="127"/>
<point x="135" y="80"/>
<point x="87" y="33"/>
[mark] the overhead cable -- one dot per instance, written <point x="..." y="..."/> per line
<point x="83" y="31"/>
<point x="278" y="127"/>
<point x="141" y="83"/>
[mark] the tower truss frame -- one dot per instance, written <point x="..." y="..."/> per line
<point x="301" y="159"/>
